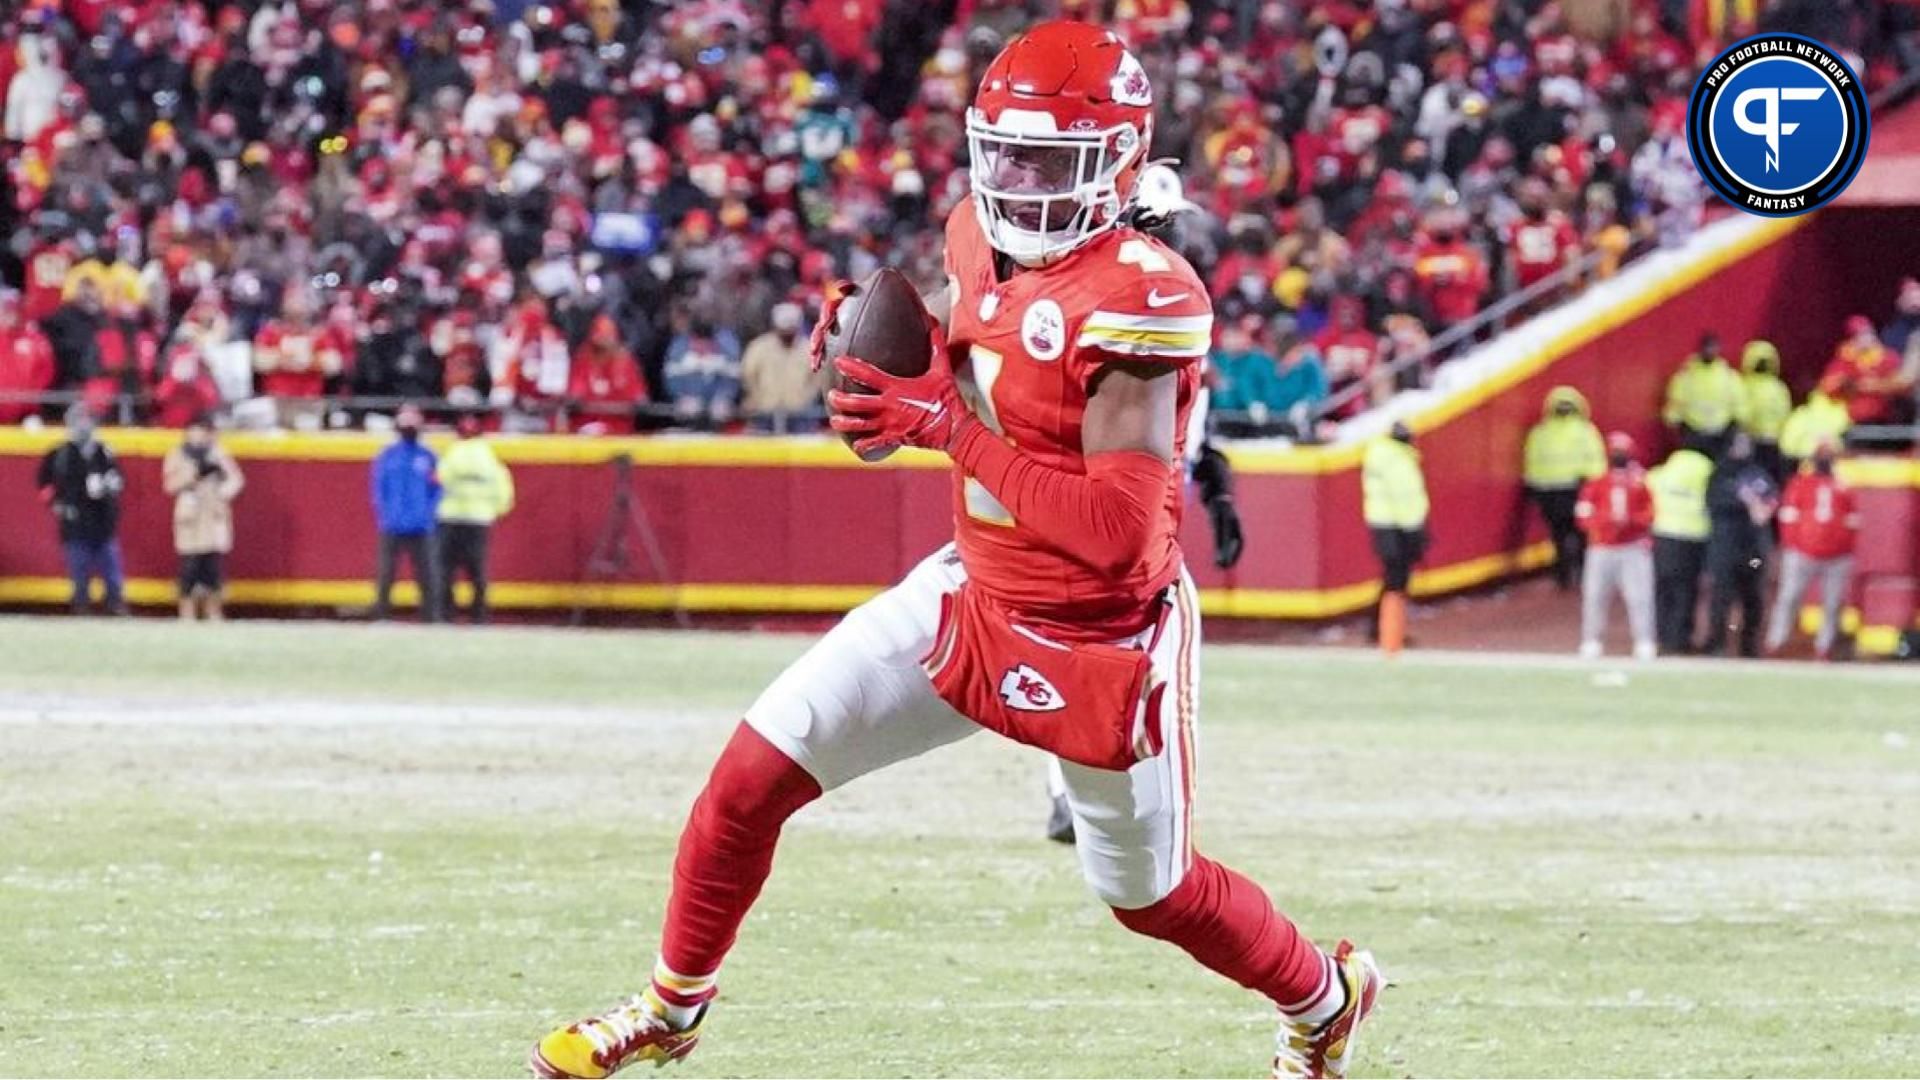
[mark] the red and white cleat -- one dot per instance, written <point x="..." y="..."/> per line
<point x="599" y="1046"/>
<point x="1313" y="1051"/>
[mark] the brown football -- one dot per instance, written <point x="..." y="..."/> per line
<point x="880" y="320"/>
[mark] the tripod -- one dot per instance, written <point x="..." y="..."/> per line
<point x="613" y="556"/>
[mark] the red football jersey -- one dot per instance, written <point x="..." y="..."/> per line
<point x="1026" y="350"/>
<point x="1538" y="248"/>
<point x="1818" y="517"/>
<point x="1615" y="508"/>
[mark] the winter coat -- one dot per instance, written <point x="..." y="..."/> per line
<point x="203" y="488"/>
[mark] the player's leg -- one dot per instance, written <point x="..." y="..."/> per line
<point x="1133" y="831"/>
<point x="857" y="701"/>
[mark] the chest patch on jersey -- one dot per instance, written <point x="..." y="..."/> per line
<point x="1043" y="330"/>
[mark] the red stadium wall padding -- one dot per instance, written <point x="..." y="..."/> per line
<point x="797" y="524"/>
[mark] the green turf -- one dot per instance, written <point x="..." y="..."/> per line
<point x="335" y="850"/>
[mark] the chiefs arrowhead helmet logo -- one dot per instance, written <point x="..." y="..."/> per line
<point x="1027" y="690"/>
<point x="1130" y="85"/>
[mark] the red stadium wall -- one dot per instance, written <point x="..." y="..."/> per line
<point x="799" y="525"/>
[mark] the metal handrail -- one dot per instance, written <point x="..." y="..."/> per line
<point x="127" y="408"/>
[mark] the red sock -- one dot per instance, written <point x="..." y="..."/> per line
<point x="1227" y="923"/>
<point x="726" y="852"/>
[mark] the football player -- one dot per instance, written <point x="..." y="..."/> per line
<point x="1061" y="616"/>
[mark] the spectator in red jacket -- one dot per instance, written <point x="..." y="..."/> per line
<point x="1349" y="350"/>
<point x="47" y="266"/>
<point x="187" y="392"/>
<point x="606" y="381"/>
<point x="1867" y="374"/>
<point x="1450" y="272"/>
<point x="26" y="360"/>
<point x="538" y="364"/>
<point x="295" y="356"/>
<point x="1818" y="526"/>
<point x="1615" y="511"/>
<point x="126" y="357"/>
<point x="1543" y="240"/>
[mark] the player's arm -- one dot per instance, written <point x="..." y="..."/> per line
<point x="1132" y="349"/>
<point x="1101" y="516"/>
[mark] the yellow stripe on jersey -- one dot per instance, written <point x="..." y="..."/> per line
<point x="1144" y="342"/>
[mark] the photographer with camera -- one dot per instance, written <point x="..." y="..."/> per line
<point x="80" y="482"/>
<point x="203" y="480"/>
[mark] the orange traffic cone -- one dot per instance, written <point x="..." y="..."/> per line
<point x="1393" y="622"/>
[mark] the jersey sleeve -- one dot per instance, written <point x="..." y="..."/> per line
<point x="1158" y="313"/>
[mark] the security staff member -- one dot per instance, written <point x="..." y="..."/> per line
<point x="1680" y="531"/>
<point x="1741" y="500"/>
<point x="1765" y="404"/>
<point x="477" y="490"/>
<point x="1563" y="451"/>
<point x="1394" y="502"/>
<point x="1821" y="418"/>
<point x="1704" y="398"/>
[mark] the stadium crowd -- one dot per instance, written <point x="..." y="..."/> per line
<point x="592" y="214"/>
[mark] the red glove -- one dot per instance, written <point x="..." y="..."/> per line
<point x="925" y="410"/>
<point x="817" y="344"/>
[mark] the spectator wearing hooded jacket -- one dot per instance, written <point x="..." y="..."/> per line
<point x="1765" y="404"/>
<point x="1563" y="451"/>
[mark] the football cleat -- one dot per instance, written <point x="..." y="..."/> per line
<point x="600" y="1046"/>
<point x="1323" y="1050"/>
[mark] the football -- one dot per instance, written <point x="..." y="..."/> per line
<point x="880" y="320"/>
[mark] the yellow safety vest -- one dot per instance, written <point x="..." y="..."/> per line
<point x="1680" y="496"/>
<point x="1563" y="452"/>
<point x="1393" y="491"/>
<point x="1765" y="406"/>
<point x="475" y="488"/>
<point x="1705" y="397"/>
<point x="1820" y="418"/>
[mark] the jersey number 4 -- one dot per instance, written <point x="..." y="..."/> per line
<point x="983" y="370"/>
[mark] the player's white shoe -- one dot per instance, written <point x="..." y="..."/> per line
<point x="1314" y="1051"/>
<point x="1590" y="650"/>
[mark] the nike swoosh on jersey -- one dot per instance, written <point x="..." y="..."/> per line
<point x="1155" y="300"/>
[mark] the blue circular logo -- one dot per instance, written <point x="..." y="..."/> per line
<point x="1778" y="124"/>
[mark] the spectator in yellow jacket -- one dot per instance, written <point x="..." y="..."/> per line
<point x="1821" y="418"/>
<point x="476" y="491"/>
<point x="1705" y="398"/>
<point x="1563" y="451"/>
<point x="1394" y="501"/>
<point x="1764" y="405"/>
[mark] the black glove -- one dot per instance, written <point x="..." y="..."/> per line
<point x="1214" y="477"/>
<point x="1228" y="539"/>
